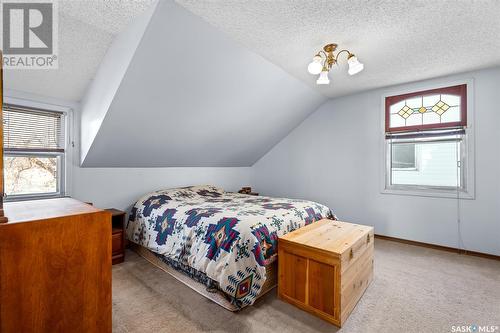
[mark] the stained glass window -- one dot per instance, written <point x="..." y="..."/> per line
<point x="426" y="142"/>
<point x="430" y="109"/>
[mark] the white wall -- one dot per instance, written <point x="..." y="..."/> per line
<point x="120" y="187"/>
<point x="101" y="91"/>
<point x="334" y="157"/>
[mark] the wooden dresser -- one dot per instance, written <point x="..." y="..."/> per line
<point x="55" y="267"/>
<point x="325" y="267"/>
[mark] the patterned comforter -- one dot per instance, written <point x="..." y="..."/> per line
<point x="219" y="237"/>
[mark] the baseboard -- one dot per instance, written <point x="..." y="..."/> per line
<point x="439" y="247"/>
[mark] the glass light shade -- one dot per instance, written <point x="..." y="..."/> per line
<point x="315" y="66"/>
<point x="354" y="65"/>
<point x="323" y="78"/>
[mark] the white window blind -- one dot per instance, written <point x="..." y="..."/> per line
<point x="28" y="129"/>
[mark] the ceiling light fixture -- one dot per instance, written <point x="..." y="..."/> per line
<point x="324" y="60"/>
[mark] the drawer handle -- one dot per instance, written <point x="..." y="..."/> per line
<point x="351" y="254"/>
<point x="368" y="239"/>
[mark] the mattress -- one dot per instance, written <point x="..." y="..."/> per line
<point x="220" y="239"/>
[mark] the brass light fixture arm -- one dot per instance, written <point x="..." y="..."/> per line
<point x="349" y="54"/>
<point x="322" y="54"/>
<point x="330" y="59"/>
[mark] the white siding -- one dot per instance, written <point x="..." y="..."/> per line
<point x="436" y="166"/>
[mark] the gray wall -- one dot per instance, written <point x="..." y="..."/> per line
<point x="334" y="157"/>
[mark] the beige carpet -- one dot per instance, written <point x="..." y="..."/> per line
<point x="414" y="290"/>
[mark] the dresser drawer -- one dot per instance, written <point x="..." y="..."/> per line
<point x="117" y="243"/>
<point x="118" y="233"/>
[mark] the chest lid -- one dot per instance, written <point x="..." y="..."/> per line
<point x="331" y="236"/>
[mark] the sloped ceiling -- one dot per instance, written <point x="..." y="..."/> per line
<point x="218" y="83"/>
<point x="190" y="96"/>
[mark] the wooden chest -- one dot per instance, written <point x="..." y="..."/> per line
<point x="325" y="267"/>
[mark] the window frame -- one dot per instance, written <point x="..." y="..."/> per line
<point x="65" y="161"/>
<point x="467" y="151"/>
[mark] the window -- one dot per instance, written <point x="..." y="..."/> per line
<point x="34" y="152"/>
<point x="404" y="156"/>
<point x="426" y="142"/>
<point x="430" y="109"/>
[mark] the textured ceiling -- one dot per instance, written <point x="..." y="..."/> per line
<point x="398" y="41"/>
<point x="108" y="15"/>
<point x="86" y="29"/>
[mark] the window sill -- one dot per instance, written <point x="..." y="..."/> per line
<point x="32" y="197"/>
<point x="435" y="193"/>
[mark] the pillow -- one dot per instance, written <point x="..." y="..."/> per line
<point x="184" y="193"/>
<point x="205" y="189"/>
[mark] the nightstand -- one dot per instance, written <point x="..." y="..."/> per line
<point x="247" y="190"/>
<point x="117" y="235"/>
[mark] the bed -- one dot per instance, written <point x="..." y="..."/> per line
<point x="224" y="241"/>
